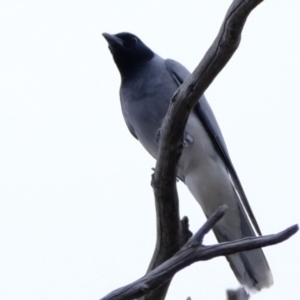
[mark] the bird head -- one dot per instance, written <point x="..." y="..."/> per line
<point x="128" y="51"/>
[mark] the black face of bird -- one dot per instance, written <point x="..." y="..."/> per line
<point x="128" y="51"/>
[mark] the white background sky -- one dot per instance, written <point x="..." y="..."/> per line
<point x="76" y="207"/>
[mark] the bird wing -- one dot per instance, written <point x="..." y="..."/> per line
<point x="129" y="126"/>
<point x="206" y="116"/>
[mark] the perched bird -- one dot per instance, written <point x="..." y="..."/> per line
<point x="148" y="83"/>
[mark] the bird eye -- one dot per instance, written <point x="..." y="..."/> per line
<point x="131" y="41"/>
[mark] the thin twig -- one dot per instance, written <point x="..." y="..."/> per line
<point x="192" y="252"/>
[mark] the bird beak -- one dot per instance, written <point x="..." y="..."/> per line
<point x="112" y="40"/>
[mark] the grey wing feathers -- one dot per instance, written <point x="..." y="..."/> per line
<point x="131" y="129"/>
<point x="221" y="148"/>
<point x="178" y="71"/>
<point x="204" y="112"/>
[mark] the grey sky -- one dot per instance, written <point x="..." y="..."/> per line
<point x="76" y="207"/>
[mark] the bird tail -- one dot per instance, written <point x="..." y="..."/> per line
<point x="212" y="187"/>
<point x="250" y="267"/>
<point x="211" y="191"/>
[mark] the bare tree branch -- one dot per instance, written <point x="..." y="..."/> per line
<point x="167" y="260"/>
<point x="191" y="90"/>
<point x="164" y="178"/>
<point x="192" y="252"/>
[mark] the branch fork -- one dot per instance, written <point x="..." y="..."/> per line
<point x="172" y="233"/>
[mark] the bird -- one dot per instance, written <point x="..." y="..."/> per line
<point x="148" y="83"/>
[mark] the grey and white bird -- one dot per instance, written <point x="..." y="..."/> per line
<point x="148" y="83"/>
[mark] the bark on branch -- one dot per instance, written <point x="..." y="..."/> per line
<point x="169" y="232"/>
<point x="192" y="89"/>
<point x="192" y="252"/>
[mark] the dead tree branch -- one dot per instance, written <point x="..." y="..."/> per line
<point x="191" y="90"/>
<point x="164" y="178"/>
<point x="171" y="232"/>
<point x="192" y="252"/>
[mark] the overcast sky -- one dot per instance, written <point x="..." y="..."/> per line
<point x="76" y="206"/>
